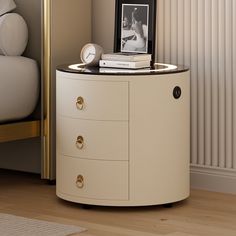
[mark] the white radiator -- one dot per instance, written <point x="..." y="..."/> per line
<point x="202" y="35"/>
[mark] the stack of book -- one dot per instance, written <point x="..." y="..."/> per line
<point x="125" y="60"/>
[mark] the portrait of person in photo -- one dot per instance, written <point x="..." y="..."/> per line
<point x="134" y="28"/>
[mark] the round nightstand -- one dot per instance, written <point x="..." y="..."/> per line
<point x="123" y="136"/>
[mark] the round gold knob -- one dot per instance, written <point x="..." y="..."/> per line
<point x="80" y="181"/>
<point x="80" y="142"/>
<point x="80" y="103"/>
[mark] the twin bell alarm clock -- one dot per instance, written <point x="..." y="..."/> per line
<point x="91" y="54"/>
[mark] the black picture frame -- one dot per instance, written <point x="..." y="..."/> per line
<point x="125" y="10"/>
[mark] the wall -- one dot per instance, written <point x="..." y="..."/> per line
<point x="71" y="30"/>
<point x="202" y="35"/>
<point x="103" y="12"/>
<point x="31" y="12"/>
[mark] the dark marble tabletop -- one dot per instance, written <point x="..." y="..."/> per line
<point x="158" y="68"/>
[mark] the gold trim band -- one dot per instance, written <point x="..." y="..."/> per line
<point x="19" y="130"/>
<point x="46" y="73"/>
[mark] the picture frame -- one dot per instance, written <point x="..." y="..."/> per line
<point x="135" y="26"/>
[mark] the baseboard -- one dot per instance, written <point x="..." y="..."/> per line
<point x="213" y="179"/>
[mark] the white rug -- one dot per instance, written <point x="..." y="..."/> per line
<point x="11" y="225"/>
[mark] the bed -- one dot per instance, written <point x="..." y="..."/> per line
<point x="57" y="31"/>
<point x="19" y="78"/>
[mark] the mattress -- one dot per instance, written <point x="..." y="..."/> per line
<point x="19" y="87"/>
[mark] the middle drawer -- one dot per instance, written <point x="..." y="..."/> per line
<point x="101" y="140"/>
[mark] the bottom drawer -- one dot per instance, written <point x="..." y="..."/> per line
<point x="92" y="178"/>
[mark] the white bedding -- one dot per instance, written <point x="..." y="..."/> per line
<point x="19" y="87"/>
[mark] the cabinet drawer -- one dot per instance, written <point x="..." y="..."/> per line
<point x="96" y="100"/>
<point x="105" y="140"/>
<point x="92" y="179"/>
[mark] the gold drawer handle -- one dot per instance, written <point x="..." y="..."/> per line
<point x="80" y="103"/>
<point x="80" y="181"/>
<point x="80" y="142"/>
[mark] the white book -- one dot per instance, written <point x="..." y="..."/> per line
<point x="124" y="64"/>
<point x="121" y="56"/>
<point x="123" y="70"/>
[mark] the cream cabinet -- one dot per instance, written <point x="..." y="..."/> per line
<point x="123" y="138"/>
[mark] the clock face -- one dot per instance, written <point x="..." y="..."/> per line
<point x="91" y="54"/>
<point x="88" y="54"/>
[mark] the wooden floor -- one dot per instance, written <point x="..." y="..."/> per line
<point x="204" y="213"/>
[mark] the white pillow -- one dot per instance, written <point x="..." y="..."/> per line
<point x="6" y="6"/>
<point x="13" y="34"/>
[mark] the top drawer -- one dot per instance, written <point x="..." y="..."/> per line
<point x="95" y="100"/>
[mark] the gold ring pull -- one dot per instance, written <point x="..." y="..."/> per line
<point x="80" y="142"/>
<point x="80" y="103"/>
<point x="80" y="181"/>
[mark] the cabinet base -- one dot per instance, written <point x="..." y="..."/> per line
<point x="87" y="203"/>
<point x="168" y="205"/>
<point x="86" y="206"/>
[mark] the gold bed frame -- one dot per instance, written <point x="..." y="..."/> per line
<point x="19" y="130"/>
<point x="46" y="129"/>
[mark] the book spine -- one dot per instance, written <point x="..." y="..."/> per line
<point x="116" y="64"/>
<point x="125" y="58"/>
<point x="115" y="58"/>
<point x="122" y="64"/>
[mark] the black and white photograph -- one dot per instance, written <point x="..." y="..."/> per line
<point x="134" y="28"/>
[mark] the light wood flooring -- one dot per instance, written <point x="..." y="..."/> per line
<point x="203" y="214"/>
